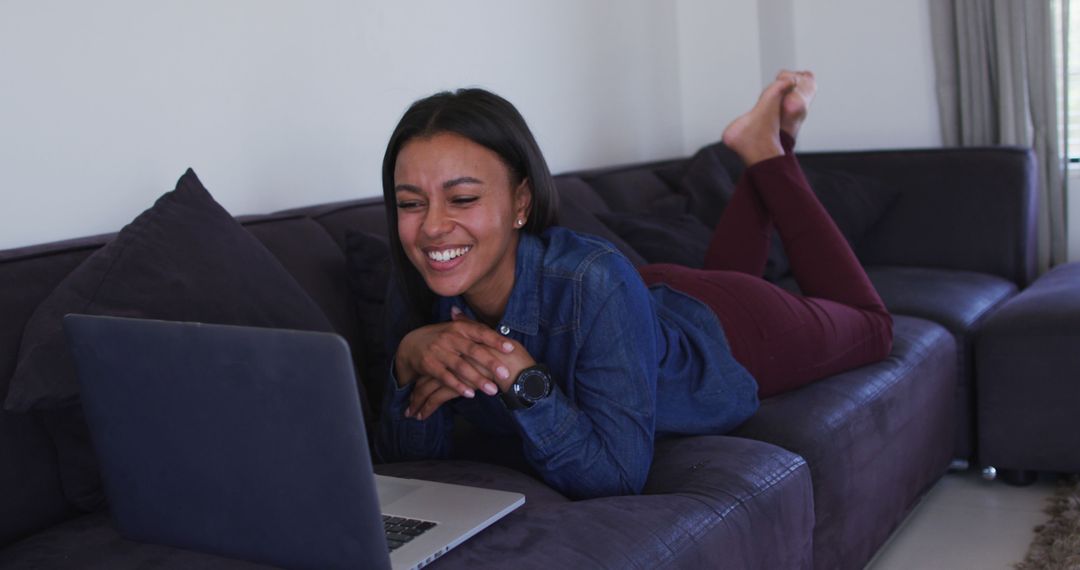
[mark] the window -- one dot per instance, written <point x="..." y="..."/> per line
<point x="1067" y="13"/>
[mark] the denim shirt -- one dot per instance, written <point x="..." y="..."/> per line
<point x="628" y="364"/>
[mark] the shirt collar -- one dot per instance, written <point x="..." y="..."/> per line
<point x="523" y="308"/>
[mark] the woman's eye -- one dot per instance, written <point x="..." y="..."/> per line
<point x="463" y="200"/>
<point x="408" y="204"/>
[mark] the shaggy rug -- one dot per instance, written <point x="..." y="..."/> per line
<point x="1057" y="542"/>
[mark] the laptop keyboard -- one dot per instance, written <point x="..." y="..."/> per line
<point x="400" y="530"/>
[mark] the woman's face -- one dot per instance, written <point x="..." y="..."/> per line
<point x="458" y="210"/>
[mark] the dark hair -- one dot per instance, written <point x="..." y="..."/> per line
<point x="489" y="121"/>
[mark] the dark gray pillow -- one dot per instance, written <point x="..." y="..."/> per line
<point x="368" y="262"/>
<point x="184" y="259"/>
<point x="855" y="202"/>
<point x="680" y="239"/>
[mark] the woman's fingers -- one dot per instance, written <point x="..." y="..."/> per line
<point x="427" y="396"/>
<point x="479" y="333"/>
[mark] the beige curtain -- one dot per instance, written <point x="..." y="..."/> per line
<point x="996" y="82"/>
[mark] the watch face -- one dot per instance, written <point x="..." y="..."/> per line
<point x="534" y="385"/>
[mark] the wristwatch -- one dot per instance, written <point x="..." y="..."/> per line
<point x="531" y="386"/>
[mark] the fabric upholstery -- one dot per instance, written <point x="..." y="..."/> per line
<point x="959" y="300"/>
<point x="184" y="259"/>
<point x="579" y="207"/>
<point x="679" y="238"/>
<point x="712" y="502"/>
<point x="368" y="266"/>
<point x="1028" y="382"/>
<point x="874" y="438"/>
<point x="967" y="209"/>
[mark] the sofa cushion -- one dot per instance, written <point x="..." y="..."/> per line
<point x="635" y="190"/>
<point x="676" y="238"/>
<point x="91" y="542"/>
<point x="579" y="207"/>
<point x="28" y="460"/>
<point x="709" y="502"/>
<point x="184" y="259"/>
<point x="855" y="202"/>
<point x="368" y="259"/>
<point x="875" y="437"/>
<point x="959" y="300"/>
<point x="708" y="181"/>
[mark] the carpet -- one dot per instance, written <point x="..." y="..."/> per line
<point x="1057" y="542"/>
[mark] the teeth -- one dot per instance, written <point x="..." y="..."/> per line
<point x="448" y="254"/>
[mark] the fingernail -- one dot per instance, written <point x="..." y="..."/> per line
<point x="491" y="389"/>
<point x="502" y="372"/>
<point x="469" y="393"/>
<point x="508" y="347"/>
<point x="454" y="311"/>
<point x="408" y="412"/>
<point x="418" y="416"/>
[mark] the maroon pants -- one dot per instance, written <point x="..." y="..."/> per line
<point x="785" y="340"/>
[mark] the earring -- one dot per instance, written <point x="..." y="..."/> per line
<point x="520" y="222"/>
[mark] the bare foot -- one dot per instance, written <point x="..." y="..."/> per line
<point x="796" y="103"/>
<point x="755" y="136"/>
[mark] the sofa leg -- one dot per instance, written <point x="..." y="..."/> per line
<point x="1018" y="477"/>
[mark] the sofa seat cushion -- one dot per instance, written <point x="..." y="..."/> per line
<point x="91" y="542"/>
<point x="875" y="438"/>
<point x="709" y="502"/>
<point x="956" y="299"/>
<point x="959" y="300"/>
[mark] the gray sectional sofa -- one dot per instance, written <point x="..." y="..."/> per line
<point x="818" y="478"/>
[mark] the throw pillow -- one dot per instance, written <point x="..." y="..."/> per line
<point x="680" y="239"/>
<point x="855" y="202"/>
<point x="184" y="259"/>
<point x="708" y="181"/>
<point x="368" y="265"/>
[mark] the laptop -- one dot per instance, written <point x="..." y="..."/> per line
<point x="250" y="443"/>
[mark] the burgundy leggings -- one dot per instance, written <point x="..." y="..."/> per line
<point x="785" y="340"/>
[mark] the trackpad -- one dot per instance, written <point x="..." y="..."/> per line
<point x="391" y="489"/>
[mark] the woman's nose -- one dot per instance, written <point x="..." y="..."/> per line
<point x="436" y="222"/>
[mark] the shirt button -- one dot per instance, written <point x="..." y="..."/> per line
<point x="505" y="330"/>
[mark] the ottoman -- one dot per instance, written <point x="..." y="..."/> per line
<point x="1027" y="375"/>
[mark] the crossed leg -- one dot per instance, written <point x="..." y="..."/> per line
<point x="784" y="340"/>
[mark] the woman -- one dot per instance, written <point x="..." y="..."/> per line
<point x="529" y="329"/>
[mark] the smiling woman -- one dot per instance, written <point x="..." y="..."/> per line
<point x="531" y="330"/>
<point x="459" y="209"/>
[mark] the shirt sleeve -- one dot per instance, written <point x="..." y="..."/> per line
<point x="399" y="438"/>
<point x="599" y="442"/>
<point x="406" y="439"/>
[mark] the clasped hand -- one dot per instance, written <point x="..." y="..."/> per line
<point x="454" y="359"/>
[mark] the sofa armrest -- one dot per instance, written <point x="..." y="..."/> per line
<point x="958" y="208"/>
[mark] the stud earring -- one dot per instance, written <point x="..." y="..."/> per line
<point x="520" y="222"/>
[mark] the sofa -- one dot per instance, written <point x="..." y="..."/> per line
<point x="818" y="478"/>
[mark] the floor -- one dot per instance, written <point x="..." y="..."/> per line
<point x="967" y="522"/>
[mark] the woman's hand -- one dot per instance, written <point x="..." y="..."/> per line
<point x="493" y="375"/>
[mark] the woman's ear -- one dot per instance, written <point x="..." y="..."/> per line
<point x="522" y="202"/>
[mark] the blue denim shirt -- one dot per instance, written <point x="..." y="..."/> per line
<point x="629" y="364"/>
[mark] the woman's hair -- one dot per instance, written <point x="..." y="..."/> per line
<point x="489" y="121"/>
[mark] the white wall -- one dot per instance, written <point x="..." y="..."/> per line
<point x="874" y="63"/>
<point x="278" y="104"/>
<point x="873" y="60"/>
